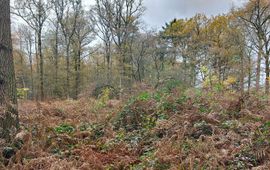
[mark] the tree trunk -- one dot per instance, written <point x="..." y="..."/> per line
<point x="56" y="58"/>
<point x="78" y="72"/>
<point x="68" y="71"/>
<point x="258" y="69"/>
<point x="31" y="68"/>
<point x="41" y="78"/>
<point x="185" y="69"/>
<point x="139" y="71"/>
<point x="242" y="75"/>
<point x="37" y="67"/>
<point x="9" y="121"/>
<point x="193" y="71"/>
<point x="21" y="72"/>
<point x="108" y="60"/>
<point x="267" y="69"/>
<point x="249" y="73"/>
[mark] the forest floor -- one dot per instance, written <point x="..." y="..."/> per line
<point x="169" y="128"/>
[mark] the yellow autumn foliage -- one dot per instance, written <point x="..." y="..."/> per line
<point x="229" y="81"/>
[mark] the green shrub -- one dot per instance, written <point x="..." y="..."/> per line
<point x="22" y="93"/>
<point x="168" y="106"/>
<point x="263" y="134"/>
<point x="182" y="99"/>
<point x="97" y="131"/>
<point x="169" y="85"/>
<point x="230" y="124"/>
<point x="135" y="115"/>
<point x="99" y="90"/>
<point x="144" y="96"/>
<point x="149" y="161"/>
<point x="64" y="128"/>
<point x="103" y="98"/>
<point x="158" y="96"/>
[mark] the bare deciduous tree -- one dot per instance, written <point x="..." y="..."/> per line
<point x="67" y="12"/>
<point x="35" y="13"/>
<point x="256" y="16"/>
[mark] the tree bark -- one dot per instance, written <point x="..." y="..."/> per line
<point x="37" y="95"/>
<point x="41" y="76"/>
<point x="68" y="71"/>
<point x="267" y="70"/>
<point x="9" y="121"/>
<point x="31" y="66"/>
<point x="56" y="57"/>
<point x="258" y="69"/>
<point x="242" y="75"/>
<point x="78" y="71"/>
<point x="249" y="72"/>
<point x="108" y="60"/>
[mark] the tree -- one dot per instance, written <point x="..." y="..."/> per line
<point x="9" y="120"/>
<point x="124" y="17"/>
<point x="29" y="43"/>
<point x="83" y="35"/>
<point x="139" y="55"/>
<point x="35" y="13"/>
<point x="158" y="55"/>
<point x="56" y="53"/>
<point x="67" y="12"/>
<point x="23" y="44"/>
<point x="256" y="16"/>
<point x="100" y="16"/>
<point x="186" y="40"/>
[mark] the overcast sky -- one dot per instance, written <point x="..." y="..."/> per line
<point x="160" y="11"/>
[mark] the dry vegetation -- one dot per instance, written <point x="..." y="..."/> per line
<point x="167" y="128"/>
<point x="182" y="97"/>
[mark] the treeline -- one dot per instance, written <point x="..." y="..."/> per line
<point x="64" y="48"/>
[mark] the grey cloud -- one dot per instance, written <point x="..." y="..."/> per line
<point x="160" y="11"/>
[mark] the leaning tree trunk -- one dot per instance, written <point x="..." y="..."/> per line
<point x="8" y="101"/>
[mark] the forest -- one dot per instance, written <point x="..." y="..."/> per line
<point x="93" y="87"/>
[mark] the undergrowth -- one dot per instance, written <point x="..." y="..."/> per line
<point x="166" y="128"/>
